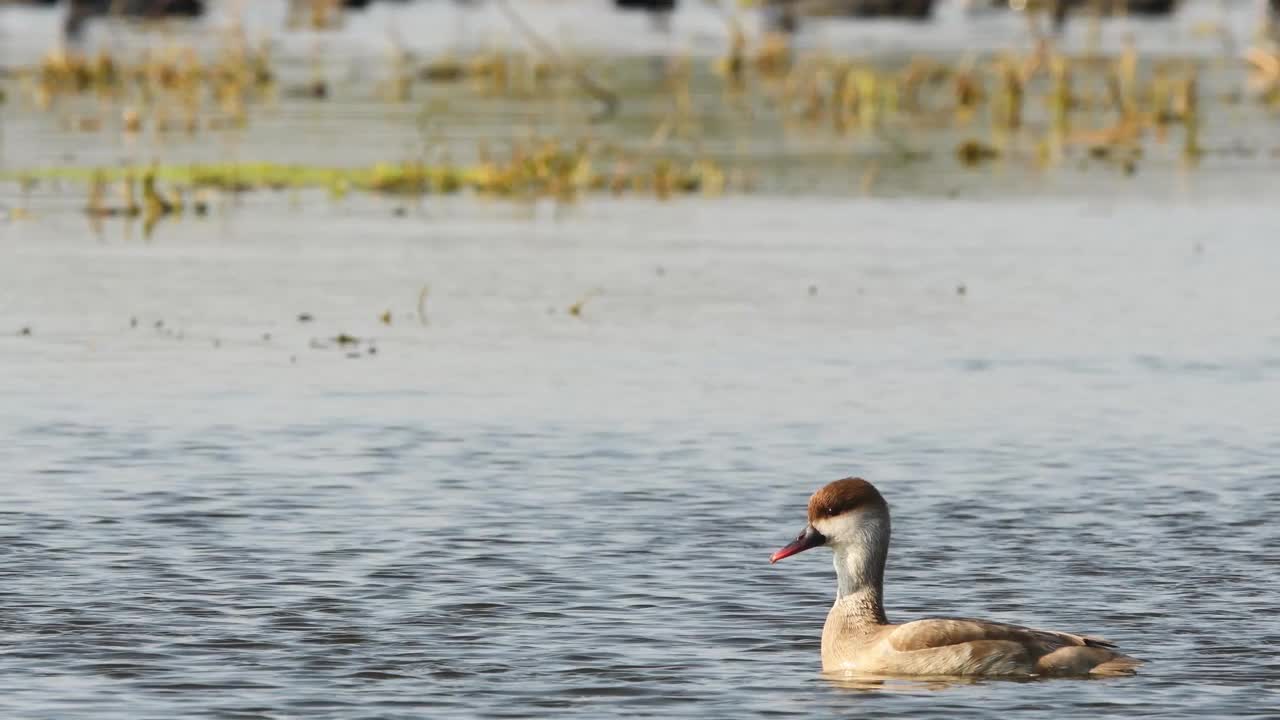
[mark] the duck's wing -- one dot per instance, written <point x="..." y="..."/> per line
<point x="983" y="641"/>
<point x="941" y="632"/>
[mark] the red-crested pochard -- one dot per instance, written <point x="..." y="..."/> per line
<point x="851" y="517"/>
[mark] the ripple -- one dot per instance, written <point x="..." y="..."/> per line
<point x="515" y="513"/>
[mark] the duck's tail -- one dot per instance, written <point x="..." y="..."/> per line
<point x="1116" y="666"/>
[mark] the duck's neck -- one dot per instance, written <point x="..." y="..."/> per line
<point x="860" y="573"/>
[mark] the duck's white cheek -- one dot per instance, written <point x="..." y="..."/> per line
<point x="831" y="529"/>
<point x="823" y="527"/>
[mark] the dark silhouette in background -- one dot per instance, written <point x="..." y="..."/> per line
<point x="783" y="15"/>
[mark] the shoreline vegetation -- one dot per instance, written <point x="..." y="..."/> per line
<point x="676" y="125"/>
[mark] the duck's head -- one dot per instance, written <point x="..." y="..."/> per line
<point x="843" y="514"/>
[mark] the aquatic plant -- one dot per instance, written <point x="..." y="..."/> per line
<point x="616" y="130"/>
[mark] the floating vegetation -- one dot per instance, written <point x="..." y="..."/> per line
<point x="576" y="308"/>
<point x="975" y="152"/>
<point x="349" y="344"/>
<point x="422" y="304"/>
<point x="604" y="124"/>
<point x="544" y="171"/>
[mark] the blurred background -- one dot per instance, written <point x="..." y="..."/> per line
<point x="406" y="358"/>
<point x="846" y="98"/>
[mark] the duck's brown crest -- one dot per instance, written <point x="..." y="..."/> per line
<point x="842" y="496"/>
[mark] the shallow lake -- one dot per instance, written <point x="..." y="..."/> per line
<point x="514" y="510"/>
<point x="462" y="457"/>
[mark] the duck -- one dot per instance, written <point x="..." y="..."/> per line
<point x="851" y="517"/>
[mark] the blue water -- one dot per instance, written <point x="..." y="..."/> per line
<point x="509" y="510"/>
<point x="543" y="474"/>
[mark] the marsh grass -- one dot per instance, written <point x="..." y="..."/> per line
<point x="675" y="125"/>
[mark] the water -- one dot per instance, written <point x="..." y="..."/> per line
<point x="514" y="511"/>
<point x="1065" y="384"/>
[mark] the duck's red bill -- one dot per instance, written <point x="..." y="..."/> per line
<point x="810" y="538"/>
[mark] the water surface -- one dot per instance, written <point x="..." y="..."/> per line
<point x="211" y="510"/>
<point x="543" y="470"/>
